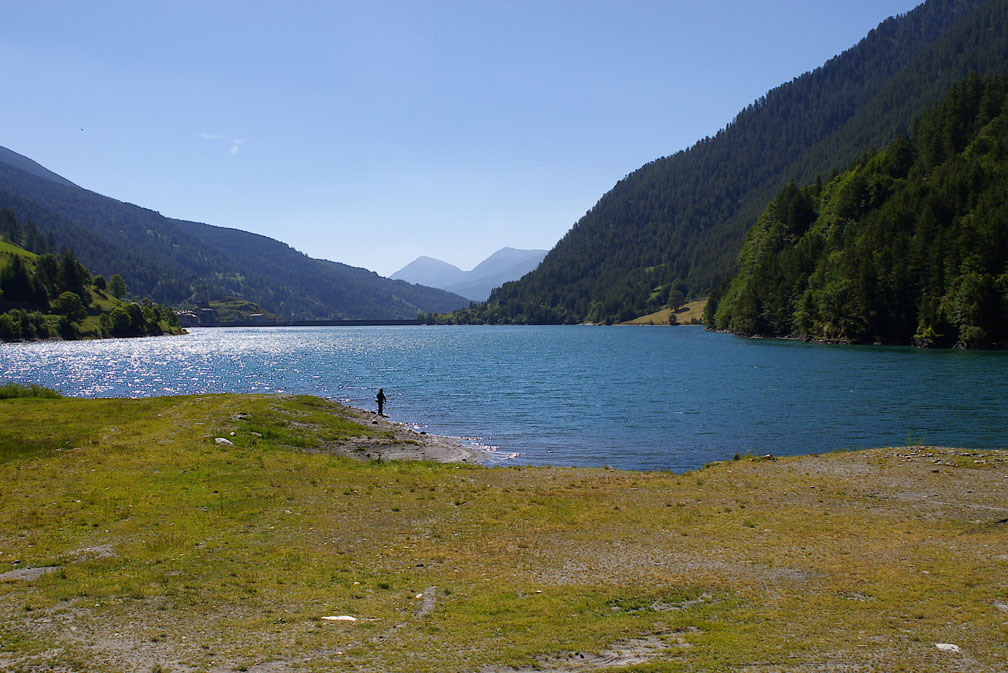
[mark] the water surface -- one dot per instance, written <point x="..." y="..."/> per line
<point x="638" y="398"/>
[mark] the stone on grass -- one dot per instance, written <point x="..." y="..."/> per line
<point x="27" y="574"/>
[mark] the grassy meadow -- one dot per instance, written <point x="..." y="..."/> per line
<point x="132" y="540"/>
<point x="688" y="314"/>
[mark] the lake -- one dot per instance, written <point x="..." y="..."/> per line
<point x="629" y="397"/>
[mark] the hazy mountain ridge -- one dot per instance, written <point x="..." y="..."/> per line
<point x="677" y="223"/>
<point x="505" y="265"/>
<point x="30" y="166"/>
<point x="174" y="261"/>
<point x="430" y="272"/>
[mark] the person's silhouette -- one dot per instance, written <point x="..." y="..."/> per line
<point x="380" y="399"/>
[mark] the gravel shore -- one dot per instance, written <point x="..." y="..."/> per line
<point x="406" y="443"/>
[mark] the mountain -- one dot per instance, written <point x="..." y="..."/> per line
<point x="28" y="166"/>
<point x="906" y="246"/>
<point x="678" y="222"/>
<point x="430" y="272"/>
<point x="505" y="265"/>
<point x="175" y="261"/>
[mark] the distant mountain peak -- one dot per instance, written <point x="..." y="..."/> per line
<point x="430" y="272"/>
<point x="502" y="266"/>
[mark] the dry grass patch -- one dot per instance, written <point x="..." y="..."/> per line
<point x="688" y="314"/>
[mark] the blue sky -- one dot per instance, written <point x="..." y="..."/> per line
<point x="374" y="132"/>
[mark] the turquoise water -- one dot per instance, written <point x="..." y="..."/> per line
<point x="638" y="398"/>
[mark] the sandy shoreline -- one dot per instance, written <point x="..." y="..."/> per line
<point x="406" y="443"/>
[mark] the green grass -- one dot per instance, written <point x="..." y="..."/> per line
<point x="12" y="390"/>
<point x="234" y="309"/>
<point x="174" y="551"/>
<point x="9" y="248"/>
<point x="691" y="313"/>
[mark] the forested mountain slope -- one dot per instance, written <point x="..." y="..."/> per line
<point x="678" y="222"/>
<point x="910" y="245"/>
<point x="29" y="166"/>
<point x="173" y="261"/>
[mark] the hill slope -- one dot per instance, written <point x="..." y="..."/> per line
<point x="173" y="261"/>
<point x="908" y="245"/>
<point x="44" y="297"/>
<point x="29" y="166"/>
<point x="678" y="222"/>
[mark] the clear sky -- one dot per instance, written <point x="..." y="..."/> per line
<point x="371" y="133"/>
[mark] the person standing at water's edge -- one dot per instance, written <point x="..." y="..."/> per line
<point x="380" y="399"/>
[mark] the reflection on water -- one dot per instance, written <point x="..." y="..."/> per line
<point x="657" y="398"/>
